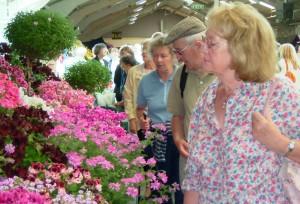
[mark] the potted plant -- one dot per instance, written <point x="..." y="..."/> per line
<point x="90" y="76"/>
<point x="40" y="35"/>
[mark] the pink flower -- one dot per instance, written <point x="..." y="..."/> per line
<point x="163" y="177"/>
<point x="20" y="195"/>
<point x="155" y="185"/>
<point x="160" y="126"/>
<point x="74" y="158"/>
<point x="9" y="148"/>
<point x="132" y="191"/>
<point x="151" y="162"/>
<point x="9" y="93"/>
<point x="99" y="160"/>
<point x="114" y="186"/>
<point x="57" y="93"/>
<point x="139" y="161"/>
<point x="15" y="73"/>
<point x="175" y="187"/>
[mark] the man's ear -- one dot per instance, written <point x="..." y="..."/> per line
<point x="198" y="43"/>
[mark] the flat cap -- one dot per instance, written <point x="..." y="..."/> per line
<point x="186" y="27"/>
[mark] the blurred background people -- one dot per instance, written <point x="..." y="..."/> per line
<point x="120" y="75"/>
<point x="100" y="51"/>
<point x="289" y="63"/>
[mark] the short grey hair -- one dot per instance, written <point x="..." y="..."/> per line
<point x="191" y="38"/>
<point x="96" y="49"/>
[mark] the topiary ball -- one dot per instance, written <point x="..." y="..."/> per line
<point x="40" y="35"/>
<point x="90" y="76"/>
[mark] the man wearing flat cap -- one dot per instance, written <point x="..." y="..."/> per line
<point x="189" y="81"/>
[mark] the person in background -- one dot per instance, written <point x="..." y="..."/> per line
<point x="126" y="63"/>
<point x="134" y="75"/>
<point x="114" y="56"/>
<point x="189" y="81"/>
<point x="289" y="63"/>
<point x="246" y="124"/>
<point x="100" y="51"/>
<point x="152" y="96"/>
<point x="120" y="75"/>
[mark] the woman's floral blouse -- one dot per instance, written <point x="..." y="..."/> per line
<point x="227" y="165"/>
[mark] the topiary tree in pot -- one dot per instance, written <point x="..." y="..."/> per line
<point x="90" y="76"/>
<point x="40" y="35"/>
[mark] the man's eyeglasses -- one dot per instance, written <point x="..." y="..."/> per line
<point x="180" y="51"/>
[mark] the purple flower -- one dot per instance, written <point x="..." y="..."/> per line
<point x="9" y="148"/>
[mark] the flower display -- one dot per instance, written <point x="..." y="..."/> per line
<point x="57" y="93"/>
<point x="20" y="195"/>
<point x="56" y="147"/>
<point x="110" y="153"/>
<point x="55" y="183"/>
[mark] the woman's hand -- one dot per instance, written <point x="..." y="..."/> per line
<point x="133" y="126"/>
<point x="267" y="133"/>
<point x="182" y="146"/>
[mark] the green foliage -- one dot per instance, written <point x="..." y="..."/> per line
<point x="40" y="35"/>
<point x="33" y="150"/>
<point x="90" y="76"/>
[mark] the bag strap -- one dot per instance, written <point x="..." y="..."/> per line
<point x="183" y="78"/>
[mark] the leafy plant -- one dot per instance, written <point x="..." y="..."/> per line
<point x="90" y="76"/>
<point x="40" y="35"/>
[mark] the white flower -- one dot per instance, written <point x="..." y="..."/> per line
<point x="49" y="19"/>
<point x="35" y="23"/>
<point x="34" y="101"/>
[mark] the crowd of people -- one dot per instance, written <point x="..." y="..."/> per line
<point x="229" y="98"/>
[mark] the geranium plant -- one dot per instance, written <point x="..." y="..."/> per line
<point x="94" y="140"/>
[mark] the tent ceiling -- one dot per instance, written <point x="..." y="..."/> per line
<point x="95" y="18"/>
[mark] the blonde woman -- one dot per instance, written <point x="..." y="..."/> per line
<point x="289" y="62"/>
<point x="247" y="122"/>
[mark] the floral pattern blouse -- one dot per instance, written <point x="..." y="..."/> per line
<point x="228" y="165"/>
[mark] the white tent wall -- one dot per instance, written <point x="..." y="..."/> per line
<point x="10" y="8"/>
